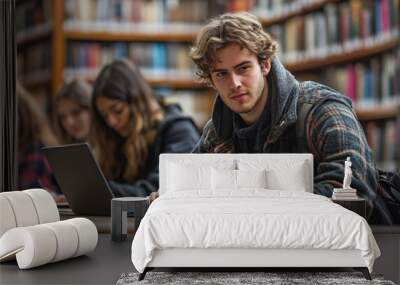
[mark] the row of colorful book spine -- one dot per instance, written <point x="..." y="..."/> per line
<point x="153" y="57"/>
<point x="369" y="83"/>
<point x="384" y="140"/>
<point x="136" y="11"/>
<point x="338" y="28"/>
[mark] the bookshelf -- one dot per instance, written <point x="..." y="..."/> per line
<point x="355" y="54"/>
<point x="36" y="33"/>
<point x="378" y="113"/>
<point x="268" y="18"/>
<point x="37" y="78"/>
<point x="362" y="44"/>
<point x="128" y="36"/>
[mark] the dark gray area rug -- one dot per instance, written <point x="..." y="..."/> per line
<point x="229" y="278"/>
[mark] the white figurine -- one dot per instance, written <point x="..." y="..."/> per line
<point x="347" y="174"/>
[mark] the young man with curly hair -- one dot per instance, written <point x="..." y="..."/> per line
<point x="262" y="108"/>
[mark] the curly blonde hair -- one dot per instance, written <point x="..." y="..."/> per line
<point x="240" y="28"/>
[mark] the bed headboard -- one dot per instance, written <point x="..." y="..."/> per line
<point x="295" y="169"/>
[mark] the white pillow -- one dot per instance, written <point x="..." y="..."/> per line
<point x="235" y="179"/>
<point x="223" y="179"/>
<point x="251" y="178"/>
<point x="204" y="161"/>
<point x="280" y="174"/>
<point x="182" y="177"/>
<point x="282" y="180"/>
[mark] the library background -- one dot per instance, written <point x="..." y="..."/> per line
<point x="352" y="46"/>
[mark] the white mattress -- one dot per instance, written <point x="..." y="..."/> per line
<point x="252" y="218"/>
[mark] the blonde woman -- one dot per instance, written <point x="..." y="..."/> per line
<point x="73" y="111"/>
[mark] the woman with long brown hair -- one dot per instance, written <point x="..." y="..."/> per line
<point x="131" y="127"/>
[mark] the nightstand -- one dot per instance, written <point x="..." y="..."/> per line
<point x="357" y="205"/>
<point x="119" y="215"/>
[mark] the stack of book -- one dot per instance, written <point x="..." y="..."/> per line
<point x="340" y="193"/>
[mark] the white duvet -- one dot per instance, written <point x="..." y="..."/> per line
<point x="253" y="218"/>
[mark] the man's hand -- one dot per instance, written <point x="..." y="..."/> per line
<point x="153" y="196"/>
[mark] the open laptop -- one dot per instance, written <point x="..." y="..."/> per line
<point x="80" y="179"/>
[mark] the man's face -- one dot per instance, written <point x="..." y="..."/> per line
<point x="239" y="80"/>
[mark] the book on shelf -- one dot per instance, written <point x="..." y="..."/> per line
<point x="383" y="140"/>
<point x="370" y="83"/>
<point x="136" y="16"/>
<point x="267" y="9"/>
<point x="158" y="59"/>
<point x="360" y="24"/>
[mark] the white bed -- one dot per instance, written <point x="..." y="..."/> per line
<point x="244" y="210"/>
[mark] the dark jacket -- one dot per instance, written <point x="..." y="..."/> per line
<point x="176" y="134"/>
<point x="332" y="133"/>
